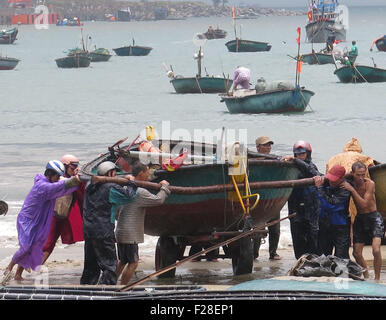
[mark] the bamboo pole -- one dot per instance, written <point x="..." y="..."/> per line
<point x="196" y="255"/>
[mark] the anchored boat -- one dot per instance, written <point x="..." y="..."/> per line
<point x="73" y="61"/>
<point x="360" y="73"/>
<point x="204" y="206"/>
<point x="241" y="45"/>
<point x="8" y="36"/>
<point x="326" y="18"/>
<point x="133" y="50"/>
<point x="213" y="34"/>
<point x="325" y="58"/>
<point x="7" y="63"/>
<point x="199" y="83"/>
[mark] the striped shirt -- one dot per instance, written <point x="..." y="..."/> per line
<point x="131" y="218"/>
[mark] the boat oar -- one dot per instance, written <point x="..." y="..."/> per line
<point x="198" y="254"/>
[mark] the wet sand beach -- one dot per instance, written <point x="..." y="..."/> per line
<point x="65" y="266"/>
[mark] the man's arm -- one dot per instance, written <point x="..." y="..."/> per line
<point x="368" y="197"/>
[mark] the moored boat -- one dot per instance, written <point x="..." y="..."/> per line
<point x="73" y="61"/>
<point x="7" y="63"/>
<point x="99" y="55"/>
<point x="278" y="100"/>
<point x="324" y="58"/>
<point x="199" y="83"/>
<point x="378" y="175"/>
<point x="8" y="36"/>
<point x="213" y="34"/>
<point x="199" y="205"/>
<point x="241" y="45"/>
<point x="133" y="50"/>
<point x="360" y="73"/>
<point x="326" y="18"/>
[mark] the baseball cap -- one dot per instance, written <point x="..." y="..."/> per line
<point x="263" y="140"/>
<point x="336" y="172"/>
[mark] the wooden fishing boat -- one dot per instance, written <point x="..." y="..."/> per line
<point x="73" y="61"/>
<point x="272" y="101"/>
<point x="324" y="58"/>
<point x="199" y="83"/>
<point x="8" y="36"/>
<point x="133" y="50"/>
<point x="7" y="63"/>
<point x="241" y="45"/>
<point x="200" y="207"/>
<point x="327" y="18"/>
<point x="99" y="55"/>
<point x="213" y="34"/>
<point x="360" y="73"/>
<point x="378" y="175"/>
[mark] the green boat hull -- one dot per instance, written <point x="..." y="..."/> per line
<point x="322" y="58"/>
<point x="247" y="46"/>
<point x="275" y="101"/>
<point x="197" y="214"/>
<point x="73" y="61"/>
<point x="378" y="175"/>
<point x="201" y="85"/>
<point x="133" y="51"/>
<point x="359" y="73"/>
<point x="98" y="57"/>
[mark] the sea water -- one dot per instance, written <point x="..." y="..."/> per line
<point x="47" y="112"/>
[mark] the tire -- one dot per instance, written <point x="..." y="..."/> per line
<point x="242" y="256"/>
<point x="167" y="253"/>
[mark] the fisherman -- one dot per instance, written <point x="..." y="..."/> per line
<point x="67" y="221"/>
<point x="264" y="145"/>
<point x="102" y="197"/>
<point x="131" y="219"/>
<point x="304" y="202"/>
<point x="354" y="49"/>
<point x="34" y="218"/>
<point x="352" y="152"/>
<point x="334" y="220"/>
<point x="241" y="78"/>
<point x="330" y="43"/>
<point x="368" y="224"/>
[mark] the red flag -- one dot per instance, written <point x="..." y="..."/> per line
<point x="298" y="38"/>
<point x="233" y="12"/>
<point x="309" y="13"/>
<point x="299" y="66"/>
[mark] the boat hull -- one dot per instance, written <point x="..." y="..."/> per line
<point x="359" y="73"/>
<point x="381" y="44"/>
<point x="216" y="34"/>
<point x="132" y="51"/>
<point x="8" y="36"/>
<point x="323" y="58"/>
<point x="73" y="61"/>
<point x="275" y="101"/>
<point x="240" y="45"/>
<point x="99" y="57"/>
<point x="184" y="214"/>
<point x="8" y="63"/>
<point x="318" y="31"/>
<point x="378" y="175"/>
<point x="201" y="85"/>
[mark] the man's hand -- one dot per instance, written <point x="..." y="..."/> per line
<point x="318" y="180"/>
<point x="287" y="158"/>
<point x="164" y="182"/>
<point x="347" y="186"/>
<point x="130" y="177"/>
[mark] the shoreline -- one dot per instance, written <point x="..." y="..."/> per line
<point x="64" y="268"/>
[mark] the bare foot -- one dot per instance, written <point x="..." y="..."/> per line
<point x="366" y="274"/>
<point x="19" y="278"/>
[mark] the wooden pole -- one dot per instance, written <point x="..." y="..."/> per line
<point x="196" y="255"/>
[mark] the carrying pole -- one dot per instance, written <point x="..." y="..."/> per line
<point x="196" y="255"/>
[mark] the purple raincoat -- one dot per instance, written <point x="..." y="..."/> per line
<point x="34" y="220"/>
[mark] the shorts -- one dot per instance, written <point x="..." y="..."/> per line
<point x="128" y="252"/>
<point x="368" y="226"/>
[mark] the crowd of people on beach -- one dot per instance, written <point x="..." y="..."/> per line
<point x="108" y="214"/>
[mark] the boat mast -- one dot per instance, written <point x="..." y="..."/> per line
<point x="199" y="63"/>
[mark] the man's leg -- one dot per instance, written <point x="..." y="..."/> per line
<point x="19" y="272"/>
<point x="91" y="270"/>
<point x="53" y="236"/>
<point x="357" y="253"/>
<point x="128" y="272"/>
<point x="341" y="241"/>
<point x="376" y="246"/>
<point x="107" y="260"/>
<point x="273" y="239"/>
<point x="120" y="267"/>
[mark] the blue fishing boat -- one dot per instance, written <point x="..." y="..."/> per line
<point x="360" y="73"/>
<point x="133" y="50"/>
<point x="7" y="63"/>
<point x="280" y="100"/>
<point x="8" y="36"/>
